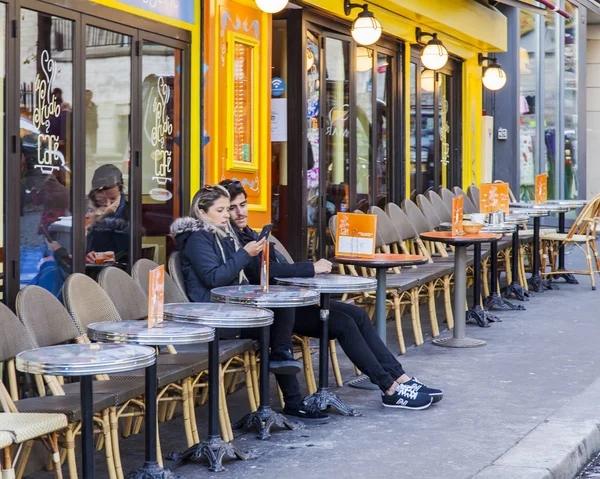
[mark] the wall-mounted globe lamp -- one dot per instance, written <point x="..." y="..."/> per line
<point x="366" y="29"/>
<point x="494" y="77"/>
<point x="434" y="54"/>
<point x="364" y="59"/>
<point x="271" y="6"/>
<point x="428" y="79"/>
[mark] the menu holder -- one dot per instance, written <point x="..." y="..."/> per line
<point x="457" y="216"/>
<point x="156" y="296"/>
<point x="494" y="197"/>
<point x="355" y="235"/>
<point x="541" y="189"/>
<point x="264" y="269"/>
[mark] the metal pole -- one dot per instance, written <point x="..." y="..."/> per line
<point x="151" y="424"/>
<point x="561" y="250"/>
<point x="213" y="388"/>
<point x="516" y="245"/>
<point x="494" y="268"/>
<point x="324" y="342"/>
<point x="536" y="247"/>
<point x="87" y="426"/>
<point x="380" y="303"/>
<point x="477" y="275"/>
<point x="460" y="291"/>
<point x="264" y="370"/>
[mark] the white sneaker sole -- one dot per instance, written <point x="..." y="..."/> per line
<point x="398" y="406"/>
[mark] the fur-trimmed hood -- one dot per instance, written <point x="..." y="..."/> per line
<point x="187" y="224"/>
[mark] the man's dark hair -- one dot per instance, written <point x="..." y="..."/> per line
<point x="234" y="187"/>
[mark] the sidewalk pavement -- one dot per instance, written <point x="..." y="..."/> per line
<point x="526" y="406"/>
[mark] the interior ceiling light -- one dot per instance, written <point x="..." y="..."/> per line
<point x="366" y="29"/>
<point x="494" y="77"/>
<point x="271" y="6"/>
<point x="434" y="55"/>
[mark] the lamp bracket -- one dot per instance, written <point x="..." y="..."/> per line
<point x="483" y="58"/>
<point x="348" y="7"/>
<point x="419" y="34"/>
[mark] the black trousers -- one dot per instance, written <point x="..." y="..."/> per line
<point x="352" y="327"/>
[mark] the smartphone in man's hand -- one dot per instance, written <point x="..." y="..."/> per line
<point x="266" y="231"/>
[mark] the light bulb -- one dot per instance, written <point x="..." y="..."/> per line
<point x="364" y="59"/>
<point x="428" y="80"/>
<point x="271" y="6"/>
<point x="435" y="55"/>
<point x="494" y="77"/>
<point x="366" y="29"/>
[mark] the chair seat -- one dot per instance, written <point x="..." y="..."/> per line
<point x="70" y="406"/>
<point x="166" y="373"/>
<point x="401" y="282"/>
<point x="564" y="237"/>
<point x="228" y="348"/>
<point x="23" y="427"/>
<point x="429" y="272"/>
<point x="121" y="391"/>
<point x="450" y="259"/>
<point x="504" y="243"/>
<point x="197" y="361"/>
<point x="5" y="439"/>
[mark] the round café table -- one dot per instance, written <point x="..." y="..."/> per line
<point x="459" y="338"/>
<point x="86" y="361"/>
<point x="277" y="297"/>
<point x="536" y="282"/>
<point x="572" y="204"/>
<point x="217" y="316"/>
<point x="232" y="316"/>
<point x="381" y="262"/>
<point x="137" y="332"/>
<point x="326" y="285"/>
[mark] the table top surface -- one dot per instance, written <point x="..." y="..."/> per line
<point x="383" y="260"/>
<point x="137" y="332"/>
<point x="333" y="283"/>
<point x="550" y="207"/>
<point x="216" y="315"/>
<point x="571" y="203"/>
<point x="466" y="239"/>
<point x="502" y="228"/>
<point x="85" y="359"/>
<point x="277" y="297"/>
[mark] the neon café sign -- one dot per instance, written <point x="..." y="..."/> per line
<point x="182" y="10"/>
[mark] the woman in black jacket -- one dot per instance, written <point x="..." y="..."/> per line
<point x="211" y="256"/>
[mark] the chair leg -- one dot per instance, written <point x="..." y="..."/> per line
<point x="398" y="318"/>
<point x="415" y="316"/>
<point x="24" y="459"/>
<point x="309" y="373"/>
<point x="484" y="278"/>
<point x="448" y="303"/>
<point x="70" y="447"/>
<point x="435" y="330"/>
<point x="225" y="407"/>
<point x="52" y="442"/>
<point x="254" y="374"/>
<point x="108" y="447"/>
<point x="508" y="266"/>
<point x="127" y="424"/>
<point x="280" y="394"/>
<point x="192" y="408"/>
<point x="187" y="426"/>
<point x="334" y="363"/>
<point x="249" y="385"/>
<point x="588" y="258"/>
<point x="114" y="432"/>
<point x="7" y="467"/>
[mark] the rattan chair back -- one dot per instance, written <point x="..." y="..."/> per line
<point x="401" y="222"/>
<point x="87" y="302"/>
<point x="175" y="271"/>
<point x="428" y="211"/>
<point x="281" y="249"/>
<point x="14" y="337"/>
<point x="438" y="205"/>
<point x="416" y="217"/>
<point x="386" y="232"/>
<point x="447" y="197"/>
<point x="473" y="194"/>
<point x="468" y="206"/>
<point x="140" y="272"/>
<point x="45" y="317"/>
<point x="124" y="292"/>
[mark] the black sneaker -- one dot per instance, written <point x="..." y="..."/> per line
<point x="312" y="416"/>
<point x="282" y="361"/>
<point x="405" y="397"/>
<point x="436" y="394"/>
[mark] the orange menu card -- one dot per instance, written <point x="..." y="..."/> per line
<point x="264" y="269"/>
<point x="457" y="215"/>
<point x="356" y="235"/>
<point x="541" y="188"/>
<point x="493" y="197"/>
<point x="156" y="295"/>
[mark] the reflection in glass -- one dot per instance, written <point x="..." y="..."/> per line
<point x="551" y="95"/>
<point x="528" y="49"/>
<point x="46" y="98"/>
<point x="2" y="133"/>
<point x="242" y="103"/>
<point x="313" y="92"/>
<point x="443" y="106"/>
<point x="161" y="147"/>
<point x="428" y="144"/>
<point x="383" y="98"/>
<point x="107" y="143"/>
<point x="364" y="125"/>
<point x="571" y="71"/>
<point x="413" y="129"/>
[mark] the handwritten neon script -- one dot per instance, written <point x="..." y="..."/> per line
<point x="161" y="129"/>
<point x="46" y="108"/>
<point x="166" y="3"/>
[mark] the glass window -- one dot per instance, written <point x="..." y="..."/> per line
<point x="161" y="147"/>
<point x="428" y="120"/>
<point x="551" y="95"/>
<point x="313" y="94"/>
<point x="242" y="102"/>
<point x="107" y="143"/>
<point x="46" y="148"/>
<point x="2" y="133"/>
<point x="528" y="54"/>
<point x="413" y="130"/>
<point x="383" y="98"/>
<point x="571" y="111"/>
<point x="364" y="125"/>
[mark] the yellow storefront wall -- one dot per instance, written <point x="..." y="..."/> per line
<point x="467" y="29"/>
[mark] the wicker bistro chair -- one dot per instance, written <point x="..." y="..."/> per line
<point x="50" y="324"/>
<point x="174" y="267"/>
<point x="408" y="240"/>
<point x="14" y="339"/>
<point x="583" y="235"/>
<point x="87" y="303"/>
<point x="234" y="355"/>
<point x="468" y="206"/>
<point x="439" y="206"/>
<point x="473" y="194"/>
